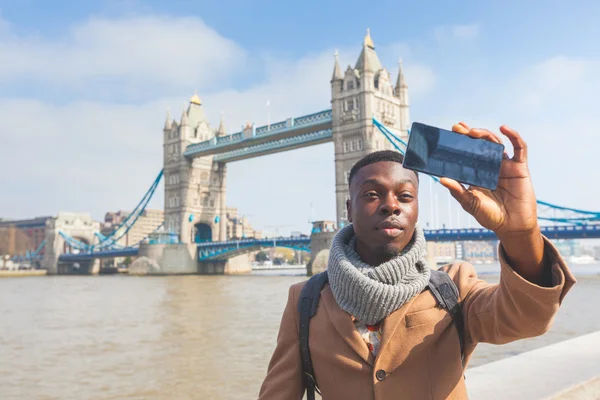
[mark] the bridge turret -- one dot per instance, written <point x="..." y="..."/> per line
<point x="168" y="121"/>
<point x="337" y="79"/>
<point x="194" y="187"/>
<point x="337" y="72"/>
<point x="401" y="92"/>
<point x="221" y="131"/>
<point x="184" y="117"/>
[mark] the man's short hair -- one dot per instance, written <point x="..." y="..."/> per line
<point x="375" y="157"/>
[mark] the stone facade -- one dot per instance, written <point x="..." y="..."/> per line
<point x="194" y="188"/>
<point x="358" y="95"/>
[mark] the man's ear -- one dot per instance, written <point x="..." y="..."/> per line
<point x="349" y="210"/>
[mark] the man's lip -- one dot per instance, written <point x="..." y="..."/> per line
<point x="390" y="225"/>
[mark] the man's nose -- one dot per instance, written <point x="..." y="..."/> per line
<point x="391" y="205"/>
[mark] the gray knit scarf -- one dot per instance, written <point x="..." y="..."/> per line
<point x="372" y="293"/>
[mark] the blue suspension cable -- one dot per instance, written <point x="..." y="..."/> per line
<point x="131" y="219"/>
<point x="135" y="214"/>
<point x="391" y="137"/>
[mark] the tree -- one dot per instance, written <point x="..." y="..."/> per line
<point x="285" y="254"/>
<point x="261" y="256"/>
<point x="127" y="261"/>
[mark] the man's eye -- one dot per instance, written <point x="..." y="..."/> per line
<point x="372" y="194"/>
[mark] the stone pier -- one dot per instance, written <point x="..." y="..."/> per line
<point x="182" y="259"/>
<point x="237" y="265"/>
<point x="320" y="243"/>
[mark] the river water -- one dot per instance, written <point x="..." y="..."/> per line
<point x="188" y="337"/>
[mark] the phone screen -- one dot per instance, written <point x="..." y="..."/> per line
<point x="443" y="153"/>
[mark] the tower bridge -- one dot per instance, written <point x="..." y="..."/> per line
<point x="369" y="112"/>
<point x="196" y="156"/>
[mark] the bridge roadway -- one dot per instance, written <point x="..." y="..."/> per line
<point x="231" y="248"/>
<point x="293" y="133"/>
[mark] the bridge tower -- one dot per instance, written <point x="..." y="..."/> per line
<point x="357" y="95"/>
<point x="194" y="188"/>
<point x="80" y="226"/>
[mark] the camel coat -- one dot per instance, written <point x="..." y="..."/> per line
<point x="419" y="356"/>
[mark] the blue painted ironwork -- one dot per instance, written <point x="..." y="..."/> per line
<point x="394" y="140"/>
<point x="128" y="223"/>
<point x="278" y="128"/>
<point x="109" y="241"/>
<point x="551" y="232"/>
<point x="128" y="251"/>
<point x="31" y="255"/>
<point x="312" y="137"/>
<point x="216" y="250"/>
<point x="117" y="251"/>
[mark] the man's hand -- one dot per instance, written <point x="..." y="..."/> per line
<point x="511" y="209"/>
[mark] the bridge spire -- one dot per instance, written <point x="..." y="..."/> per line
<point x="168" y="121"/>
<point x="196" y="99"/>
<point x="184" y="116"/>
<point x="221" y="131"/>
<point x="400" y="81"/>
<point x="368" y="42"/>
<point x="368" y="60"/>
<point x="337" y="72"/>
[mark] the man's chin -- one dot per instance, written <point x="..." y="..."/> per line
<point x="392" y="250"/>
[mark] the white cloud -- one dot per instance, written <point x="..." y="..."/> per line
<point x="556" y="80"/>
<point x="462" y="32"/>
<point x="465" y="31"/>
<point x="421" y="79"/>
<point x="146" y="50"/>
<point x="558" y="113"/>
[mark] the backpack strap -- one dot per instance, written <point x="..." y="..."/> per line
<point x="307" y="308"/>
<point x="445" y="292"/>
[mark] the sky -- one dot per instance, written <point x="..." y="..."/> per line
<point x="84" y="89"/>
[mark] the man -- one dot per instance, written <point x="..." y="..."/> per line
<point x="377" y="332"/>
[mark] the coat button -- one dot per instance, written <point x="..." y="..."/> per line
<point x="380" y="375"/>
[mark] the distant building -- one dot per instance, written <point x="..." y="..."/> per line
<point x="442" y="252"/>
<point x="238" y="227"/>
<point x="17" y="237"/>
<point x="566" y="248"/>
<point x="323" y="226"/>
<point x="147" y="223"/>
<point x="480" y="251"/>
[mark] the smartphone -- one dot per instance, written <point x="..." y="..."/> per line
<point x="443" y="153"/>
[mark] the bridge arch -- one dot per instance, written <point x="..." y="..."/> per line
<point x="68" y="249"/>
<point x="202" y="232"/>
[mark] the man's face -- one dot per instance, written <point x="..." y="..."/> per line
<point x="383" y="209"/>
